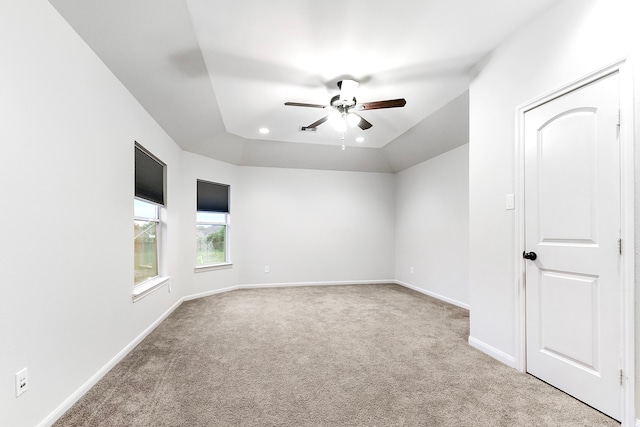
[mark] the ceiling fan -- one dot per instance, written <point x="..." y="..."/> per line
<point x="345" y="106"/>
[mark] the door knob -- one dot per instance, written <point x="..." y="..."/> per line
<point x="529" y="255"/>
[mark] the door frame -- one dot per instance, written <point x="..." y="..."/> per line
<point x="627" y="199"/>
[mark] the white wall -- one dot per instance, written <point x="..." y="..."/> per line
<point x="573" y="39"/>
<point x="314" y="226"/>
<point x="66" y="182"/>
<point x="308" y="226"/>
<point x="66" y="188"/>
<point x="432" y="226"/>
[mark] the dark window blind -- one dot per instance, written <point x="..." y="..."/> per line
<point x="213" y="197"/>
<point x="149" y="177"/>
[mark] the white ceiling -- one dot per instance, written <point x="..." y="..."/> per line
<point x="213" y="72"/>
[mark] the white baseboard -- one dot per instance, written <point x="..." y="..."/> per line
<point x="283" y="285"/>
<point x="295" y="284"/>
<point x="209" y="293"/>
<point x="64" y="407"/>
<point x="493" y="352"/>
<point x="433" y="294"/>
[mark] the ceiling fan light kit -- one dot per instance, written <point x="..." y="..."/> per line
<point x="337" y="121"/>
<point x="344" y="106"/>
<point x="353" y="119"/>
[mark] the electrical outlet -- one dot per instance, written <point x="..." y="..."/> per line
<point x="411" y="270"/>
<point x="266" y="269"/>
<point x="22" y="382"/>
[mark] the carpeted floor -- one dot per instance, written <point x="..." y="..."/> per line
<point x="361" y="355"/>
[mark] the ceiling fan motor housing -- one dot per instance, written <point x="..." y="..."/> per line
<point x="342" y="105"/>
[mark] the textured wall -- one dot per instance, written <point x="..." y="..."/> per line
<point x="66" y="253"/>
<point x="571" y="40"/>
<point x="432" y="226"/>
<point x="315" y="226"/>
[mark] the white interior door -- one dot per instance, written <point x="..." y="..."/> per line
<point x="572" y="224"/>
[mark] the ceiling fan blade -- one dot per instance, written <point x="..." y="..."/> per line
<point x="302" y="104"/>
<point x="376" y="105"/>
<point x="317" y="123"/>
<point x="363" y="124"/>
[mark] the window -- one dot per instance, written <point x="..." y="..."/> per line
<point x="212" y="238"/>
<point x="146" y="226"/>
<point x="149" y="200"/>
<point x="212" y="224"/>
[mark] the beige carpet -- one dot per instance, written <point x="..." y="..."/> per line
<point x="362" y="355"/>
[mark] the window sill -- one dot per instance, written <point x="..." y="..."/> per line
<point x="145" y="288"/>
<point x="211" y="267"/>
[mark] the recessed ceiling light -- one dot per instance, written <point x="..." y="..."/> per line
<point x="263" y="131"/>
<point x="360" y="139"/>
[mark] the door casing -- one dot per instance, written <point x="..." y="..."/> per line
<point x="627" y="188"/>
